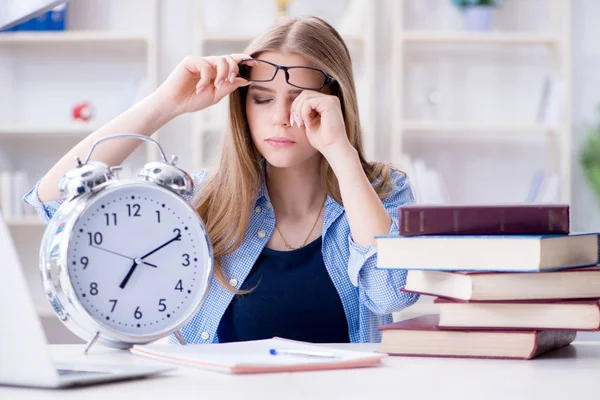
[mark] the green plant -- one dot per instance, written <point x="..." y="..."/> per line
<point x="589" y="156"/>
<point x="471" y="3"/>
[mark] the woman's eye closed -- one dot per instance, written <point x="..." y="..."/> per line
<point x="261" y="100"/>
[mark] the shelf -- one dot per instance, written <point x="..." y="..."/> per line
<point x="52" y="132"/>
<point x="478" y="132"/>
<point x="477" y="37"/>
<point x="443" y="126"/>
<point x="247" y="38"/>
<point x="226" y="38"/>
<point x="25" y="221"/>
<point x="47" y="37"/>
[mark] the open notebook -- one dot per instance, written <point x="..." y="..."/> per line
<point x="256" y="356"/>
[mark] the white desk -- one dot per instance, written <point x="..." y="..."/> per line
<point x="569" y="373"/>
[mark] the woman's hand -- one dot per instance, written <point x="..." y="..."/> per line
<point x="199" y="82"/>
<point x="322" y="117"/>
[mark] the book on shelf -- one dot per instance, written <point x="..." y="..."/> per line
<point x="511" y="253"/>
<point x="580" y="315"/>
<point x="545" y="188"/>
<point x="535" y="186"/>
<point x="256" y="356"/>
<point x="13" y="186"/>
<point x="420" y="336"/>
<point x="575" y="283"/>
<point x="52" y="20"/>
<point x="428" y="183"/>
<point x="483" y="219"/>
<point x="550" y="110"/>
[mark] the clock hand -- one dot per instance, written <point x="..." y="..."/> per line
<point x="122" y="255"/>
<point x="140" y="260"/>
<point x="162" y="245"/>
<point x="126" y="279"/>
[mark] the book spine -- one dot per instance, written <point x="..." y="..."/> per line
<point x="480" y="221"/>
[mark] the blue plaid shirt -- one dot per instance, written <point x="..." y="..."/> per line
<point x="369" y="295"/>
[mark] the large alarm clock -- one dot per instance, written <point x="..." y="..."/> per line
<point x="125" y="262"/>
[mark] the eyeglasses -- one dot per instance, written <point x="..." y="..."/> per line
<point x="257" y="70"/>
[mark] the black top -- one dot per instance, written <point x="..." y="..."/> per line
<point x="293" y="297"/>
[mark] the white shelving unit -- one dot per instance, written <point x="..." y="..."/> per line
<point x="477" y="37"/>
<point x="26" y="131"/>
<point x="25" y="221"/>
<point x="451" y="126"/>
<point x="43" y="38"/>
<point x="102" y="57"/>
<point x="209" y="125"/>
<point x="555" y="41"/>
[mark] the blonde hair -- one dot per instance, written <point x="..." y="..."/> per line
<point x="226" y="201"/>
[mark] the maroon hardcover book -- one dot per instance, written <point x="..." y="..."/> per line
<point x="584" y="321"/>
<point x="421" y="337"/>
<point x="503" y="219"/>
<point x="489" y="287"/>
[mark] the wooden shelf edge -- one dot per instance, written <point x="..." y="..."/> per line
<point x="476" y="37"/>
<point x="25" y="221"/>
<point x="434" y="126"/>
<point x="51" y="131"/>
<point x="225" y="38"/>
<point x="45" y="37"/>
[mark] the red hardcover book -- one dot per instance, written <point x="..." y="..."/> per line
<point x="582" y="315"/>
<point x="503" y="219"/>
<point x="576" y="283"/>
<point x="420" y="337"/>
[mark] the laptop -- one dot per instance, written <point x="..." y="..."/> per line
<point x="24" y="355"/>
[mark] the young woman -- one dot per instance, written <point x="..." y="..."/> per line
<point x="293" y="208"/>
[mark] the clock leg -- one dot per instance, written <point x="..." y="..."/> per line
<point x="180" y="338"/>
<point x="91" y="342"/>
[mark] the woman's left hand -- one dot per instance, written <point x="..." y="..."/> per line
<point x="321" y="116"/>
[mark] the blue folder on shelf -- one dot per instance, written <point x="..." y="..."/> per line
<point x="53" y="20"/>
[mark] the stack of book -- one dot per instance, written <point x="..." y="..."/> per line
<point x="511" y="281"/>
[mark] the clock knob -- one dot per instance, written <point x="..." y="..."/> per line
<point x="169" y="176"/>
<point x="84" y="178"/>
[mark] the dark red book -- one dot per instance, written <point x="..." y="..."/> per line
<point x="580" y="315"/>
<point x="503" y="219"/>
<point x="575" y="283"/>
<point x="421" y="337"/>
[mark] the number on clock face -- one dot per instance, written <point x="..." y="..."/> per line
<point x="136" y="259"/>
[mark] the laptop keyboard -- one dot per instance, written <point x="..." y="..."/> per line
<point x="76" y="372"/>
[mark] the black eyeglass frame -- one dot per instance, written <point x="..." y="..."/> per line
<point x="328" y="79"/>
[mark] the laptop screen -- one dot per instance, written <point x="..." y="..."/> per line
<point x="22" y="337"/>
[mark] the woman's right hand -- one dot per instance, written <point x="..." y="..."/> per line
<point x="199" y="82"/>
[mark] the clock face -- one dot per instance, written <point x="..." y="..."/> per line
<point x="138" y="259"/>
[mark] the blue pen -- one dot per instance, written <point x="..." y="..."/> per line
<point x="305" y="353"/>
